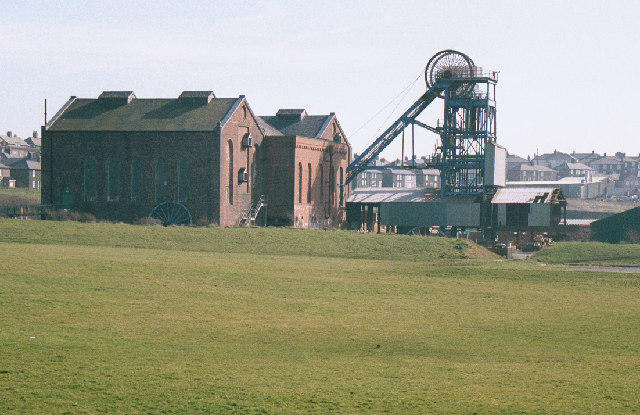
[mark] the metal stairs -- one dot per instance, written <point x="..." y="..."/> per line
<point x="249" y="216"/>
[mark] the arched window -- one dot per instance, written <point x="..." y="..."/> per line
<point x="160" y="180"/>
<point x="184" y="179"/>
<point x="321" y="183"/>
<point x="230" y="163"/>
<point x="341" y="187"/>
<point x="136" y="180"/>
<point x="113" y="179"/>
<point x="299" y="182"/>
<point x="89" y="179"/>
<point x="309" y="184"/>
<point x="330" y="187"/>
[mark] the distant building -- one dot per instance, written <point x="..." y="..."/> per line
<point x="429" y="178"/>
<point x="607" y="165"/>
<point x="25" y="172"/>
<point x="585" y="158"/>
<point x="400" y="178"/>
<point x="573" y="170"/>
<point x="12" y="146"/>
<point x="368" y="178"/>
<point x="514" y="162"/>
<point x="527" y="173"/>
<point x="553" y="160"/>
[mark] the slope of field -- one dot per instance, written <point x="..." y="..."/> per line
<point x="590" y="253"/>
<point x="272" y="241"/>
<point x="89" y="326"/>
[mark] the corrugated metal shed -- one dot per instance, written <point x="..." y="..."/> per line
<point x="378" y="195"/>
<point x="523" y="195"/>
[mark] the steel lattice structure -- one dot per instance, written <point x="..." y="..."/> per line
<point x="469" y="123"/>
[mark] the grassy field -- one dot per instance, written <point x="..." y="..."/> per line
<point x="609" y="206"/>
<point x="590" y="253"/>
<point x="100" y="318"/>
<point x="20" y="196"/>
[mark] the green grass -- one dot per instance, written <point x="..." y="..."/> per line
<point x="164" y="320"/>
<point x="590" y="253"/>
<point x="19" y="196"/>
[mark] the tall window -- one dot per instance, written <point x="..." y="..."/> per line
<point x="299" y="182"/>
<point x="113" y="179"/>
<point x="309" y="184"/>
<point x="136" y="180"/>
<point x="330" y="186"/>
<point x="341" y="187"/>
<point x="230" y="163"/>
<point x="89" y="179"/>
<point x="321" y="183"/>
<point x="184" y="179"/>
<point x="160" y="180"/>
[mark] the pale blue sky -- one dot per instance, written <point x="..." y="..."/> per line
<point x="568" y="69"/>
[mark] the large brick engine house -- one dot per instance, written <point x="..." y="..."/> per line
<point x="119" y="156"/>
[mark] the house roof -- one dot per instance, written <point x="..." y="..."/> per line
<point x="578" y="166"/>
<point x="524" y="195"/>
<point x="22" y="164"/>
<point x="555" y="155"/>
<point x="512" y="158"/>
<point x="83" y="114"/>
<point x="13" y="140"/>
<point x="606" y="160"/>
<point x="406" y="172"/>
<point x="34" y="141"/>
<point x="535" y="168"/>
<point x="304" y="126"/>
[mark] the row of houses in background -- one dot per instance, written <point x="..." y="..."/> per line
<point x="580" y="175"/>
<point x="20" y="161"/>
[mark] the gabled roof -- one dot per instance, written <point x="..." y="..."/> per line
<point x="527" y="195"/>
<point x="529" y="167"/>
<point x="512" y="158"/>
<point x="606" y="160"/>
<point x="554" y="155"/>
<point x="578" y="166"/>
<point x="377" y="195"/>
<point x="13" y="140"/>
<point x="303" y="125"/>
<point x="22" y="164"/>
<point x="83" y="114"/>
<point x="405" y="172"/>
<point x="34" y="141"/>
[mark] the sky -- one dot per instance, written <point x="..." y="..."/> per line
<point x="567" y="68"/>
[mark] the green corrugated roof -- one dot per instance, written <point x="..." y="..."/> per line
<point x="142" y="115"/>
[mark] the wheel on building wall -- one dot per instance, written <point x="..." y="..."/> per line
<point x="171" y="213"/>
<point x="420" y="230"/>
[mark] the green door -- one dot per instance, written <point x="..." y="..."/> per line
<point x="66" y="198"/>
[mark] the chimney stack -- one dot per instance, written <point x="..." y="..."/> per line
<point x="9" y="134"/>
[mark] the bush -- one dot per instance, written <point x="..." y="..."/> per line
<point x="62" y="215"/>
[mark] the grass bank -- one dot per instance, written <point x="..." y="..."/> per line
<point x="267" y="241"/>
<point x="590" y="253"/>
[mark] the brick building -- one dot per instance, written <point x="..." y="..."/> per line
<point x="118" y="156"/>
<point x="25" y="172"/>
<point x="306" y="157"/>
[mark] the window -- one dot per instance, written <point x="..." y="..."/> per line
<point x="309" y="184"/>
<point x="160" y="180"/>
<point x="341" y="183"/>
<point x="33" y="174"/>
<point x="184" y="179"/>
<point x="299" y="182"/>
<point x="321" y="183"/>
<point x="136" y="180"/>
<point x="113" y="178"/>
<point x="230" y="173"/>
<point x="89" y="179"/>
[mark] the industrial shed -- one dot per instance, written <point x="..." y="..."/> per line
<point x="624" y="226"/>
<point x="530" y="207"/>
<point x="371" y="209"/>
